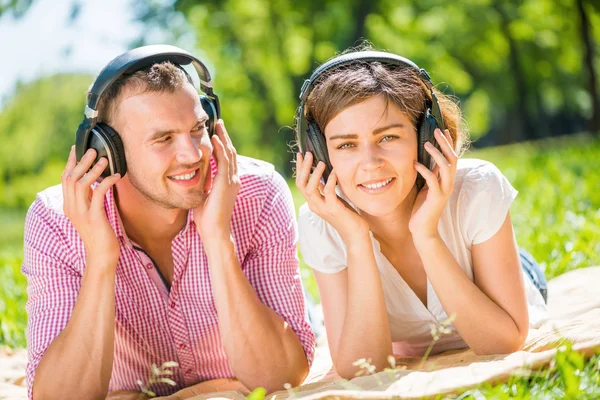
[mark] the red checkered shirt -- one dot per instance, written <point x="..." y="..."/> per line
<point x="154" y="325"/>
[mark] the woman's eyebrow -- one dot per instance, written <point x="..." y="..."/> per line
<point x="375" y="132"/>
<point x="385" y="128"/>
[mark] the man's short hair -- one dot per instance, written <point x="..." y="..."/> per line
<point x="160" y="77"/>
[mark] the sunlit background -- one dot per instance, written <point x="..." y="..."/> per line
<point x="525" y="73"/>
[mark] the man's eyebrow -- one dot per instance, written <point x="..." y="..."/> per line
<point x="160" y="134"/>
<point x="375" y="132"/>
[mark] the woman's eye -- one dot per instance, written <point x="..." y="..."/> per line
<point x="345" y="146"/>
<point x="388" y="138"/>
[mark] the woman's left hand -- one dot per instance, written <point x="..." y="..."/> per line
<point x="434" y="195"/>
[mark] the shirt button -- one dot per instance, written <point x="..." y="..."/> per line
<point x="189" y="371"/>
<point x="149" y="266"/>
<point x="183" y="346"/>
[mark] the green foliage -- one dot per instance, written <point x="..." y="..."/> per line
<point x="556" y="214"/>
<point x="569" y="376"/>
<point x="509" y="63"/>
<point x="37" y="129"/>
<point x="13" y="296"/>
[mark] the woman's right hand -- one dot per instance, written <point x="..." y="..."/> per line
<point x="84" y="206"/>
<point x="323" y="201"/>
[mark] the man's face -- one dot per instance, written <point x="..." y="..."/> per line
<point x="166" y="145"/>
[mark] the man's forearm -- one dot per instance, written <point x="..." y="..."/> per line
<point x="262" y="348"/>
<point x="78" y="363"/>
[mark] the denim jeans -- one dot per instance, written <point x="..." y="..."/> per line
<point x="534" y="273"/>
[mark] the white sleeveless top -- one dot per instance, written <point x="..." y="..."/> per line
<point x="475" y="211"/>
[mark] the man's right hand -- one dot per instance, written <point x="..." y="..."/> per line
<point x="84" y="206"/>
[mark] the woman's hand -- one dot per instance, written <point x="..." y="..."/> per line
<point x="323" y="201"/>
<point x="432" y="198"/>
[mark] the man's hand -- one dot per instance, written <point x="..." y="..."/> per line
<point x="84" y="206"/>
<point x="213" y="217"/>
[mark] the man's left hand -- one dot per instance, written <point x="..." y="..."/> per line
<point x="213" y="218"/>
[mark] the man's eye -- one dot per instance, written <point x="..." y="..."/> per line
<point x="165" y="139"/>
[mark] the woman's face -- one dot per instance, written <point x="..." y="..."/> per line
<point x="372" y="148"/>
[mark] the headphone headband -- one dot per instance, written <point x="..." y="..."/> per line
<point x="140" y="58"/>
<point x="361" y="56"/>
<point x="135" y="60"/>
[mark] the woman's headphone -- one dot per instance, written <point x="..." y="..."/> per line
<point x="310" y="137"/>
<point x="104" y="139"/>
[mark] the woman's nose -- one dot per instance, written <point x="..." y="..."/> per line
<point x="371" y="158"/>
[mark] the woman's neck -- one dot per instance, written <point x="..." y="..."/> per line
<point x="391" y="230"/>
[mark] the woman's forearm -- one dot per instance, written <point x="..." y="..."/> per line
<point x="484" y="326"/>
<point x="366" y="332"/>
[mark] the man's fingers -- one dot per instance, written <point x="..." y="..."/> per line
<point x="222" y="159"/>
<point x="97" y="202"/>
<point x="71" y="161"/>
<point x="228" y="145"/>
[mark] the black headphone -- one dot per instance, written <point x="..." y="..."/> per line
<point x="104" y="139"/>
<point x="310" y="136"/>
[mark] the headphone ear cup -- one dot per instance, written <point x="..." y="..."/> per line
<point x="107" y="143"/>
<point x="319" y="147"/>
<point x="209" y="107"/>
<point x="427" y="126"/>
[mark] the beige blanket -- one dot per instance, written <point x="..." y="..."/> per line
<point x="574" y="306"/>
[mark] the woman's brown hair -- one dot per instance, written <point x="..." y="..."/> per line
<point x="343" y="87"/>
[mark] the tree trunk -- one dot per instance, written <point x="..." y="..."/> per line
<point x="588" y="64"/>
<point x="521" y="109"/>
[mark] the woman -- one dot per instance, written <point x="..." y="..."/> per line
<point x="393" y="257"/>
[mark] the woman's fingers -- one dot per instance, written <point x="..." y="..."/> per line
<point x="329" y="188"/>
<point x="315" y="179"/>
<point x="303" y="170"/>
<point x="431" y="178"/>
<point x="446" y="162"/>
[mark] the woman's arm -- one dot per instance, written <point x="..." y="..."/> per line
<point x="354" y="308"/>
<point x="491" y="313"/>
<point x="353" y="303"/>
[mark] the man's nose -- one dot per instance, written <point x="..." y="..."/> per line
<point x="188" y="151"/>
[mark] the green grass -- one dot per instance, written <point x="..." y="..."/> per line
<point x="556" y="217"/>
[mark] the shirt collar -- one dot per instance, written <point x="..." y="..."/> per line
<point x="112" y="212"/>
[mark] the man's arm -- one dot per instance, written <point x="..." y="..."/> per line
<point x="76" y="363"/>
<point x="258" y="337"/>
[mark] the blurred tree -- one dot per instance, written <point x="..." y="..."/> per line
<point x="16" y="7"/>
<point x="588" y="61"/>
<point x="513" y="63"/>
<point x="38" y="126"/>
<point x="261" y="51"/>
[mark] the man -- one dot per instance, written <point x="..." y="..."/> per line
<point x="185" y="258"/>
